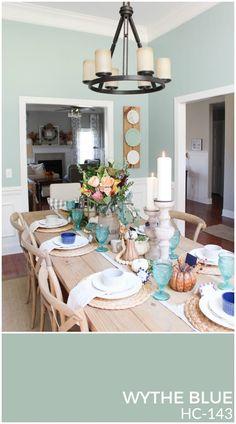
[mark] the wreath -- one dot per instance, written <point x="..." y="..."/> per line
<point x="49" y="132"/>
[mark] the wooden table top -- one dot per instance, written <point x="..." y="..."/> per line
<point x="151" y="316"/>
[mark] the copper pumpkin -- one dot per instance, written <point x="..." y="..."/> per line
<point x="182" y="281"/>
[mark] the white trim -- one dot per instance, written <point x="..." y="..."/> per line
<point x="50" y="16"/>
<point x="180" y="135"/>
<point x="227" y="213"/>
<point x="176" y="18"/>
<point x="108" y="124"/>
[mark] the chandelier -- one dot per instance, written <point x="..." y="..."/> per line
<point x="101" y="77"/>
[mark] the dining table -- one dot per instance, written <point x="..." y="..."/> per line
<point x="150" y="316"/>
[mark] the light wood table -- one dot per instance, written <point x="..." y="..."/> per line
<point x="151" y="316"/>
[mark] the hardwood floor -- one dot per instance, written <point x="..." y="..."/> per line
<point x="15" y="265"/>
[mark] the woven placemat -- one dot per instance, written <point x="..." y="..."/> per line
<point x="68" y="253"/>
<point x="55" y="230"/>
<point x="198" y="319"/>
<point x="128" y="302"/>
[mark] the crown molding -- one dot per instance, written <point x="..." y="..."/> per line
<point x="47" y="16"/>
<point x="177" y="18"/>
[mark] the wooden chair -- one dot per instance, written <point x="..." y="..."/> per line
<point x="35" y="258"/>
<point x="192" y="219"/>
<point x="17" y="221"/>
<point x="61" y="316"/>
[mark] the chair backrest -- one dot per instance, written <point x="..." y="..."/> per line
<point x="65" y="191"/>
<point x="64" y="316"/>
<point x="17" y="222"/>
<point x="192" y="219"/>
<point x="74" y="175"/>
<point x="36" y="256"/>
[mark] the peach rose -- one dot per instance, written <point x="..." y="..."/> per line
<point x="93" y="181"/>
<point x="107" y="190"/>
<point x="107" y="181"/>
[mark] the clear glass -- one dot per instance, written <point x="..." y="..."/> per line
<point x="77" y="215"/>
<point x="162" y="271"/>
<point x="226" y="267"/>
<point x="102" y="233"/>
<point x="174" y="241"/>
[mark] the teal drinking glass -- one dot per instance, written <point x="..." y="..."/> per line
<point x="162" y="271"/>
<point x="70" y="204"/>
<point x="174" y="241"/>
<point x="226" y="267"/>
<point x="77" y="215"/>
<point x="102" y="233"/>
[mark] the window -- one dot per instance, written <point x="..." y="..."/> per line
<point x="85" y="145"/>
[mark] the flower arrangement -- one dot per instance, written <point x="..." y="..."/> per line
<point x="107" y="187"/>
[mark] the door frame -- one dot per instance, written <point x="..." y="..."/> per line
<point x="108" y="127"/>
<point x="180" y="136"/>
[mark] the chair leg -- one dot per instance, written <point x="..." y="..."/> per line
<point x="28" y="288"/>
<point x="34" y="299"/>
<point x="42" y="317"/>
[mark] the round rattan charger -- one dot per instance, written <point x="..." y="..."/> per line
<point x="198" y="319"/>
<point x="56" y="229"/>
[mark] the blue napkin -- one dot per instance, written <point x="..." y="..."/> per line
<point x="190" y="259"/>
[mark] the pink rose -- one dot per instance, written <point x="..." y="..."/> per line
<point x="107" y="181"/>
<point x="97" y="196"/>
<point x="93" y="181"/>
<point x="107" y="190"/>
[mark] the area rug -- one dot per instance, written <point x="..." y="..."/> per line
<point x="221" y="231"/>
<point x="16" y="314"/>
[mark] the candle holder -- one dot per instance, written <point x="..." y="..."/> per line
<point x="164" y="230"/>
<point x="151" y="232"/>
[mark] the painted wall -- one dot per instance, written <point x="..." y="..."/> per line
<point x="202" y="56"/>
<point x="47" y="62"/>
<point x="228" y="206"/>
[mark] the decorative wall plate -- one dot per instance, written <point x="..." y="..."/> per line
<point x="133" y="157"/>
<point x="133" y="137"/>
<point x="133" y="116"/>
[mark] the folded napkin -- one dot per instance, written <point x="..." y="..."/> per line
<point x="82" y="293"/>
<point x="48" y="246"/>
<point x="34" y="226"/>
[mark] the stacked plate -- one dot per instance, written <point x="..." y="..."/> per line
<point x="59" y="223"/>
<point x="79" y="242"/>
<point x="199" y="253"/>
<point x="212" y="307"/>
<point x="131" y="285"/>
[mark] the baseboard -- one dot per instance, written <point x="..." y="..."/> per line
<point x="205" y="201"/>
<point x="227" y="213"/>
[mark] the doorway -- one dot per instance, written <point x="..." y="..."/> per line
<point x="218" y="148"/>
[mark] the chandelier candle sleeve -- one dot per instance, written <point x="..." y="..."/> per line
<point x="163" y="68"/>
<point x="88" y="70"/>
<point x="151" y="192"/>
<point x="164" y="168"/>
<point x="113" y="84"/>
<point x="145" y="60"/>
<point x="103" y="62"/>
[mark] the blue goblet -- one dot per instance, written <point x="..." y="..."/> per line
<point x="174" y="241"/>
<point x="226" y="267"/>
<point x="70" y="204"/>
<point x="102" y="233"/>
<point x="162" y="271"/>
<point x="77" y="215"/>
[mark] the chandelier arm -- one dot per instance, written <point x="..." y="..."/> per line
<point x="125" y="47"/>
<point x="116" y="36"/>
<point x="135" y="32"/>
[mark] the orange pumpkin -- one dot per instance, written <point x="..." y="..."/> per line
<point x="182" y="281"/>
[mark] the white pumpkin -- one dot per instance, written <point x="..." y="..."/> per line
<point x="139" y="263"/>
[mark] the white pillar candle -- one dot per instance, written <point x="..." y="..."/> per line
<point x="88" y="70"/>
<point x="164" y="178"/>
<point x="113" y="84"/>
<point x="163" y="68"/>
<point x="151" y="192"/>
<point x="103" y="61"/>
<point x="144" y="84"/>
<point x="145" y="61"/>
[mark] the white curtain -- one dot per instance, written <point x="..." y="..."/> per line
<point x="96" y="126"/>
<point x="76" y="128"/>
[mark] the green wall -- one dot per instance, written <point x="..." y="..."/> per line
<point x="47" y="62"/>
<point x="202" y="56"/>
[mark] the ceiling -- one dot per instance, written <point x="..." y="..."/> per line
<point x="151" y="18"/>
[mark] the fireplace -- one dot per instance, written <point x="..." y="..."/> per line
<point x="54" y="165"/>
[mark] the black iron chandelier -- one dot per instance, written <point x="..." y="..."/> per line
<point x="99" y="75"/>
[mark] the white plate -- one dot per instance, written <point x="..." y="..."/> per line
<point x="61" y="223"/>
<point x="216" y="306"/>
<point x="134" y="284"/>
<point x="199" y="254"/>
<point x="204" y="306"/>
<point x="133" y="157"/>
<point x="79" y="242"/>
